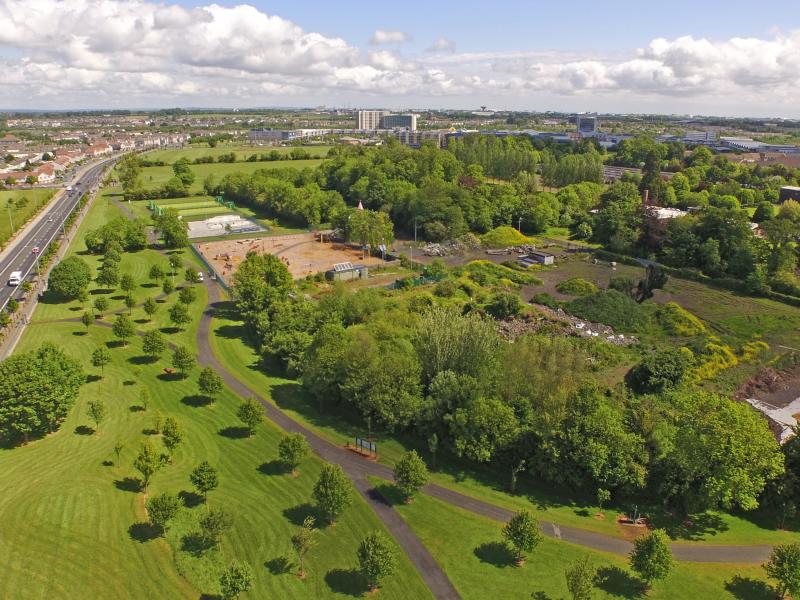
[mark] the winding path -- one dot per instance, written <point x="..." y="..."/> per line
<point x="358" y="469"/>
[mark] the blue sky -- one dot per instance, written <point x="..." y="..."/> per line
<point x="678" y="57"/>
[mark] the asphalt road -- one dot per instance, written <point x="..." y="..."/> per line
<point x="43" y="233"/>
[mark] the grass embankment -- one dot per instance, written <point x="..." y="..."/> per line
<point x="470" y="550"/>
<point x="23" y="205"/>
<point x="577" y="510"/>
<point x="72" y="523"/>
<point x="242" y="152"/>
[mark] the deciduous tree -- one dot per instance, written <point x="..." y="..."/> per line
<point x="410" y="474"/>
<point x="148" y="462"/>
<point x="522" y="534"/>
<point x="303" y="541"/>
<point x="651" y="556"/>
<point x="237" y="578"/>
<point x="251" y="413"/>
<point x="204" y="478"/>
<point x="97" y="411"/>
<point x="123" y="328"/>
<point x="162" y="509"/>
<point x="100" y="358"/>
<point x="292" y="449"/>
<point x="784" y="566"/>
<point x="376" y="559"/>
<point x="332" y="492"/>
<point x="153" y="343"/>
<point x="183" y="360"/>
<point x="70" y="278"/>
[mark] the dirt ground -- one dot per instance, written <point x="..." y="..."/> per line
<point x="303" y="253"/>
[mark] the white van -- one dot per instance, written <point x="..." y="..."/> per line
<point x="15" y="278"/>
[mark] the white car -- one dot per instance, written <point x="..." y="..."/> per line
<point x="200" y="276"/>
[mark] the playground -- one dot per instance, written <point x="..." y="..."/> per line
<point x="193" y="208"/>
<point x="303" y="253"/>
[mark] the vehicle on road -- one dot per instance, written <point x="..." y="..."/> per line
<point x="200" y="276"/>
<point x="15" y="278"/>
<point x="69" y="188"/>
<point x="35" y="250"/>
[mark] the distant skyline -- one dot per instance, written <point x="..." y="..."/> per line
<point x="735" y="59"/>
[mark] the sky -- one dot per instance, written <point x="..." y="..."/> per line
<point x="731" y="58"/>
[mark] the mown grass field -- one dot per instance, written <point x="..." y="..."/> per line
<point x="72" y="523"/>
<point x="242" y="151"/>
<point x="23" y="204"/>
<point x="559" y="506"/>
<point x="470" y="549"/>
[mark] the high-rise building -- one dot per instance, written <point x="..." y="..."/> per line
<point x="370" y="119"/>
<point x="587" y="123"/>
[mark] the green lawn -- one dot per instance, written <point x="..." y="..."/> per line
<point x="485" y="483"/>
<point x="242" y="152"/>
<point x="23" y="204"/>
<point x="469" y="548"/>
<point x="153" y="177"/>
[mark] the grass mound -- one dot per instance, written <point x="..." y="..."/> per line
<point x="503" y="236"/>
<point x="577" y="286"/>
<point x="487" y="273"/>
<point x="676" y="320"/>
<point x="610" y="307"/>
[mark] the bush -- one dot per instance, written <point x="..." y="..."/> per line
<point x="545" y="299"/>
<point x="504" y="305"/>
<point x="504" y="236"/>
<point x="487" y="273"/>
<point x="676" y="320"/>
<point x="577" y="286"/>
<point x="610" y="307"/>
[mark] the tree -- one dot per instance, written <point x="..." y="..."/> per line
<point x="128" y="171"/>
<point x="118" y="448"/>
<point x="167" y="287"/>
<point x="410" y="474"/>
<point x="260" y="281"/>
<point x="210" y="383"/>
<point x="504" y="305"/>
<point x="127" y="283"/>
<point x="183" y="360"/>
<point x="580" y="577"/>
<point x="108" y="275"/>
<point x="172" y="434"/>
<point x="123" y="328"/>
<point x="100" y="358"/>
<point x="237" y="578"/>
<point x="179" y="314"/>
<point x="70" y="278"/>
<point x="660" y="370"/>
<point x="87" y="319"/>
<point x="303" y="541"/>
<point x="433" y="446"/>
<point x="251" y="413"/>
<point x="148" y="462"/>
<point x="784" y="566"/>
<point x="522" y="534"/>
<point x="156" y="273"/>
<point x="38" y="389"/>
<point x="175" y="262"/>
<point x="101" y="304"/>
<point x="213" y="524"/>
<point x="651" y="556"/>
<point x="173" y="230"/>
<point x="144" y="398"/>
<point x="191" y="275"/>
<point x="97" y="412"/>
<point x="183" y="171"/>
<point x="603" y="496"/>
<point x="332" y="492"/>
<point x="150" y="307"/>
<point x="376" y="559"/>
<point x="153" y="344"/>
<point x="292" y="449"/>
<point x="130" y="302"/>
<point x="187" y="295"/>
<point x="204" y="478"/>
<point x="162" y="509"/>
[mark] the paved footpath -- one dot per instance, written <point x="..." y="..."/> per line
<point x="358" y="468"/>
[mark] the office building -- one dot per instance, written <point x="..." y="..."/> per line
<point x="789" y="192"/>
<point x="586" y="123"/>
<point x="285" y="135"/>
<point x="408" y="121"/>
<point x="370" y="119"/>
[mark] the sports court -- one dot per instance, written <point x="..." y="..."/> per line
<point x="303" y="253"/>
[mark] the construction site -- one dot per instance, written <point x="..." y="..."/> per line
<point x="303" y="253"/>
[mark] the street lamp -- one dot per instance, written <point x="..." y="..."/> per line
<point x="8" y="206"/>
<point x="415" y="243"/>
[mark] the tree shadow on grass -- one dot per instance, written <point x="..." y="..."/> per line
<point x="746" y="588"/>
<point x="92" y="378"/>
<point x="210" y="597"/>
<point x="346" y="581"/>
<point x="169" y="376"/>
<point x="134" y="408"/>
<point x="235" y="433"/>
<point x="230" y="332"/>
<point x="386" y="493"/>
<point x="170" y="330"/>
<point x="80" y="333"/>
<point x="696" y="527"/>
<point x="128" y="382"/>
<point x="273" y="467"/>
<point x="141" y="321"/>
<point x="541" y="596"/>
<point x="190" y="499"/>
<point x="279" y="565"/>
<point x="495" y="553"/>
<point x="149" y="285"/>
<point x="619" y="582"/>
<point x="143" y="532"/>
<point x="76" y="308"/>
<point x="115" y="344"/>
<point x="118" y="297"/>
<point x="297" y="514"/>
<point x="128" y="484"/>
<point x="108" y="463"/>
<point x="196" y="400"/>
<point x="83" y="430"/>
<point x="196" y="544"/>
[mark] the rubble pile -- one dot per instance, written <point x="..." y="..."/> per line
<point x="557" y="321"/>
<point x="452" y="247"/>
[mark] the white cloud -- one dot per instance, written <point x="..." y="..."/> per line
<point x="381" y="36"/>
<point x="442" y="45"/>
<point x="90" y="53"/>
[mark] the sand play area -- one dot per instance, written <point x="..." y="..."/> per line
<point x="303" y="253"/>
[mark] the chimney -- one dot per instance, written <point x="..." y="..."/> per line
<point x="645" y="197"/>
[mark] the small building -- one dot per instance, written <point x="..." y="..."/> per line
<point x="346" y="271"/>
<point x="789" y="192"/>
<point x="536" y="257"/>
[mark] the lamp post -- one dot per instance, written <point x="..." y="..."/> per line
<point x="11" y="222"/>
<point x="415" y="243"/>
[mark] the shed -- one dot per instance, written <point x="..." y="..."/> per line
<point x="346" y="271"/>
<point x="536" y="257"/>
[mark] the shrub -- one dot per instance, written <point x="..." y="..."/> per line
<point x="487" y="273"/>
<point x="545" y="299"/>
<point x="577" y="286"/>
<point x="676" y="320"/>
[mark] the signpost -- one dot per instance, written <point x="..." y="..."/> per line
<point x="365" y="446"/>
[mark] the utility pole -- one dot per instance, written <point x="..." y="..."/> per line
<point x="519" y="225"/>
<point x="415" y="243"/>
<point x="8" y="206"/>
